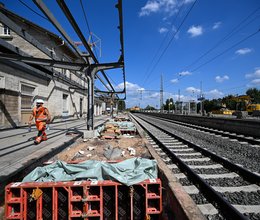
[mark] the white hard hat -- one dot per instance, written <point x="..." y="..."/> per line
<point x="39" y="101"/>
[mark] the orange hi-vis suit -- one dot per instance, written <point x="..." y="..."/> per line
<point x="40" y="120"/>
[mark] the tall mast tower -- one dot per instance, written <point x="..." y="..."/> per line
<point x="161" y="94"/>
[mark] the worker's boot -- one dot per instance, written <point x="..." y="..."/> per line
<point x="38" y="140"/>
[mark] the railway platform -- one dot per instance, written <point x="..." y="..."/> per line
<point x="19" y="154"/>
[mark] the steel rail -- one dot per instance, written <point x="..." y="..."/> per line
<point x="246" y="174"/>
<point x="212" y="195"/>
<point x="208" y="129"/>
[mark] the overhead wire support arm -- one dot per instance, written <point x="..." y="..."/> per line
<point x="122" y="57"/>
<point x="74" y="24"/>
<point x="54" y="21"/>
<point x="40" y="4"/>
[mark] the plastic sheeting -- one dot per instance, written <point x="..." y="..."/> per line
<point x="124" y="124"/>
<point x="127" y="172"/>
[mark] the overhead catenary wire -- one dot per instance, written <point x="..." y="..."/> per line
<point x="87" y="23"/>
<point x="234" y="30"/>
<point x="162" y="43"/>
<point x="172" y="38"/>
<point x="27" y="6"/>
<point x="228" y="36"/>
<point x="218" y="55"/>
<point x="223" y="52"/>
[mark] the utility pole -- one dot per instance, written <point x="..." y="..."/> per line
<point x="201" y="99"/>
<point x="179" y="102"/>
<point x="141" y="97"/>
<point x="161" y="95"/>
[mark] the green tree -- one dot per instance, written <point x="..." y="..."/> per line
<point x="214" y="104"/>
<point x="254" y="93"/>
<point x="169" y="104"/>
<point x="149" y="107"/>
<point x="229" y="102"/>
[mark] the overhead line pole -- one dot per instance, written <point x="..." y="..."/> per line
<point x="91" y="71"/>
<point x="122" y="57"/>
<point x="74" y="24"/>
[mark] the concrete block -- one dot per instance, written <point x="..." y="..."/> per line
<point x="88" y="134"/>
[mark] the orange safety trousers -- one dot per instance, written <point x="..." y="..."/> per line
<point x="40" y="124"/>
<point x="41" y="127"/>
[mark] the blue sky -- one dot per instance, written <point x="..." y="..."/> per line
<point x="154" y="48"/>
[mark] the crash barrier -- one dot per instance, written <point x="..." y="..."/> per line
<point x="89" y="200"/>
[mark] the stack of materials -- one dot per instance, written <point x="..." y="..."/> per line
<point x="111" y="131"/>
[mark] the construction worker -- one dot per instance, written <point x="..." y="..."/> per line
<point x="42" y="117"/>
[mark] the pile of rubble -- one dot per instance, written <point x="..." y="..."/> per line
<point x="117" y="127"/>
<point x="117" y="140"/>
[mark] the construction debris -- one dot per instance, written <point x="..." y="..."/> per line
<point x="112" y="153"/>
<point x="114" y="128"/>
<point x="131" y="150"/>
<point x="118" y="140"/>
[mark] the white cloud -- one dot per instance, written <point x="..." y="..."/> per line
<point x="220" y="79"/>
<point x="154" y="95"/>
<point x="174" y="30"/>
<point x="188" y="1"/>
<point x="214" y="93"/>
<point x="162" y="30"/>
<point x="255" y="74"/>
<point x="184" y="73"/>
<point x="195" y="30"/>
<point x="174" y="81"/>
<point x="192" y="90"/>
<point x="216" y="25"/>
<point x="243" y="51"/>
<point x="256" y="82"/>
<point x="154" y="6"/>
<point x="151" y="6"/>
<point x="130" y="87"/>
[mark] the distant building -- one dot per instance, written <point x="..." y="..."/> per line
<point x="64" y="91"/>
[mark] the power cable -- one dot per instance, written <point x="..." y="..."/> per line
<point x="225" y="38"/>
<point x="172" y="38"/>
<point x="86" y="20"/>
<point x="88" y="26"/>
<point x="163" y="41"/>
<point x="220" y="54"/>
<point x="223" y="52"/>
<point x="27" y="6"/>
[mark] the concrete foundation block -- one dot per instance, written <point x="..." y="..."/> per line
<point x="88" y="134"/>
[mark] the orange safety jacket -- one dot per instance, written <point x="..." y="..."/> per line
<point x="40" y="114"/>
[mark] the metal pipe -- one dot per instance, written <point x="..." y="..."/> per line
<point x="56" y="24"/>
<point x="74" y="24"/>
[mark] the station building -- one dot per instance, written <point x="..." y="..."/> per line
<point x="63" y="91"/>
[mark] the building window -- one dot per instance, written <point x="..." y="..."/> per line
<point x="65" y="103"/>
<point x="6" y="30"/>
<point x="27" y="94"/>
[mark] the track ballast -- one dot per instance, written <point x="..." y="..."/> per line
<point x="221" y="188"/>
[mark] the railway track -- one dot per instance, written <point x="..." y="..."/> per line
<point x="235" y="136"/>
<point x="220" y="188"/>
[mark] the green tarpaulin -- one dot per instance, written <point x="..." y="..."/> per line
<point x="128" y="172"/>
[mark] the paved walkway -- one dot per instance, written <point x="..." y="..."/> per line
<point x="18" y="152"/>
